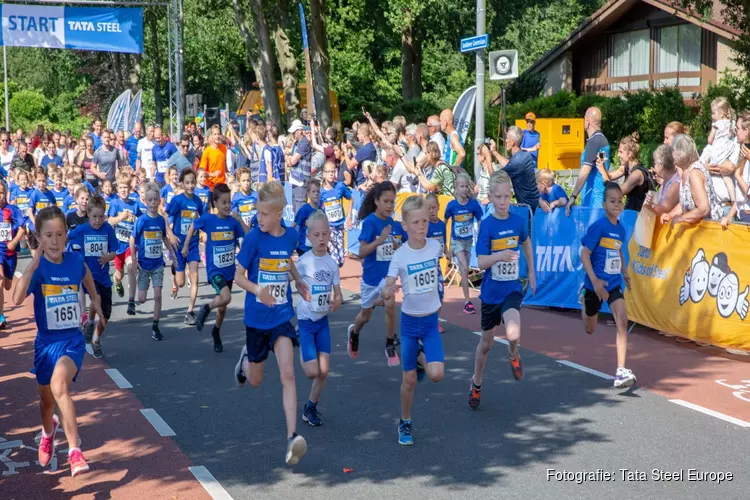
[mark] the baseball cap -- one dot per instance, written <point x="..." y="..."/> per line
<point x="531" y="116"/>
<point x="296" y="125"/>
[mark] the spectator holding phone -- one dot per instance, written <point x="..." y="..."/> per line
<point x="590" y="183"/>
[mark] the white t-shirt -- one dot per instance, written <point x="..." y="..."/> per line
<point x="144" y="153"/>
<point x="718" y="181"/>
<point x="320" y="274"/>
<point x="418" y="272"/>
<point x="402" y="179"/>
<point x="5" y="160"/>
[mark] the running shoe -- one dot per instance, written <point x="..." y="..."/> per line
<point x="352" y="342"/>
<point x="88" y="332"/>
<point x="441" y="328"/>
<point x="47" y="444"/>
<point x="156" y="334"/>
<point x="474" y="397"/>
<point x="78" y="464"/>
<point x="624" y="378"/>
<point x="405" y="437"/>
<point x="96" y="347"/>
<point x="131" y="308"/>
<point x="311" y="415"/>
<point x="391" y="355"/>
<point x="295" y="449"/>
<point x="190" y="318"/>
<point x="218" y="346"/>
<point x="174" y="292"/>
<point x="3" y="321"/>
<point x="239" y="373"/>
<point x="396" y="340"/>
<point x="469" y="308"/>
<point x="200" y="318"/>
<point x="120" y="290"/>
<point x="516" y="367"/>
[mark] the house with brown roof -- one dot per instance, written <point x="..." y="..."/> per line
<point x="629" y="45"/>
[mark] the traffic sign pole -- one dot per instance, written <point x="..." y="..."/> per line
<point x="479" y="102"/>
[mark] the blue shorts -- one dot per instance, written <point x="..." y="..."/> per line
<point x="414" y="329"/>
<point x="314" y="338"/>
<point x="192" y="256"/>
<point x="441" y="285"/>
<point x="260" y="342"/>
<point x="9" y="265"/>
<point x="48" y="353"/>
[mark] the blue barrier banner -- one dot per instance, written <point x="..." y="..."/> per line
<point x="84" y="28"/>
<point x="557" y="243"/>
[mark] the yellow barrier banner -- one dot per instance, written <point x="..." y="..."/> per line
<point x="693" y="283"/>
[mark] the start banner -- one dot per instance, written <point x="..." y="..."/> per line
<point x="693" y="282"/>
<point x="85" y="28"/>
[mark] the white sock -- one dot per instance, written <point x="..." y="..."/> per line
<point x="95" y="340"/>
<point x="72" y="450"/>
<point x="45" y="434"/>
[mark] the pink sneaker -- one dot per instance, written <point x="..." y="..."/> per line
<point x="78" y="464"/>
<point x="47" y="444"/>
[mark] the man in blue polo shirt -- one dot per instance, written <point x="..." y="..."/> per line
<point x="590" y="183"/>
<point x="131" y="144"/>
<point x="162" y="151"/>
<point x="531" y="141"/>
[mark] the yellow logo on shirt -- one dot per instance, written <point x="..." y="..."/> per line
<point x="463" y="217"/>
<point x="504" y="243"/>
<point x="247" y="208"/>
<point x="222" y="236"/>
<point x="152" y="235"/>
<point x="41" y="204"/>
<point x="610" y="243"/>
<point x="189" y="214"/>
<point x="49" y="290"/>
<point x="274" y="265"/>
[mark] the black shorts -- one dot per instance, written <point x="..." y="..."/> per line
<point x="492" y="314"/>
<point x="105" y="292"/>
<point x="592" y="304"/>
<point x="260" y="342"/>
<point x="218" y="282"/>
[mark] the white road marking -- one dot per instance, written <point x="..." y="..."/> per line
<point x="713" y="413"/>
<point x="118" y="378"/>
<point x="497" y="339"/>
<point x="209" y="483"/>
<point x="159" y="424"/>
<point x="590" y="371"/>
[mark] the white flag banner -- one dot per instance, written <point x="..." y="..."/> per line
<point x="134" y="112"/>
<point x="118" y="113"/>
<point x="463" y="112"/>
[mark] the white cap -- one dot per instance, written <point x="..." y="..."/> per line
<point x="296" y="125"/>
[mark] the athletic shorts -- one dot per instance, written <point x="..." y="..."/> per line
<point x="48" y="353"/>
<point x="105" y="294"/>
<point x="181" y="262"/>
<point x="155" y="277"/>
<point x="218" y="282"/>
<point x="414" y="329"/>
<point x="369" y="295"/>
<point x="9" y="263"/>
<point x="314" y="338"/>
<point x="492" y="314"/>
<point x="260" y="342"/>
<point x="593" y="304"/>
<point x="458" y="246"/>
<point x="120" y="259"/>
<point x="441" y="284"/>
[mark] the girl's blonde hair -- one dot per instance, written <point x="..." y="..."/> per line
<point x="632" y="146"/>
<point x="412" y="204"/>
<point x="272" y="192"/>
<point x="499" y="177"/>
<point x="722" y="104"/>
<point x="316" y="216"/>
<point x="546" y="177"/>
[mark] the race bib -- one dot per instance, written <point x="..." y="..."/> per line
<point x="224" y="256"/>
<point x="321" y="298"/>
<point x="463" y="226"/>
<point x="422" y="277"/>
<point x="613" y="263"/>
<point x="62" y="308"/>
<point x="247" y="212"/>
<point x="123" y="231"/>
<point x="5" y="231"/>
<point x="161" y="166"/>
<point x="334" y="210"/>
<point x="385" y="251"/>
<point x="94" y="245"/>
<point x="505" y="271"/>
<point x="274" y="275"/>
<point x="187" y="217"/>
<point x="152" y="244"/>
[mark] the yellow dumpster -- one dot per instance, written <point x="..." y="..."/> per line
<point x="562" y="141"/>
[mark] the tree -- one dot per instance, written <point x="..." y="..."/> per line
<point x="267" y="58"/>
<point x="404" y="17"/>
<point x="320" y="64"/>
<point x="287" y="61"/>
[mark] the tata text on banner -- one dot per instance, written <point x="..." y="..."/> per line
<point x="693" y="282"/>
<point x="85" y="28"/>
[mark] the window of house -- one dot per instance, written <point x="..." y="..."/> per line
<point x="631" y="56"/>
<point x="679" y="50"/>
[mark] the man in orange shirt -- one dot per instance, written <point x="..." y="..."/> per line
<point x="214" y="159"/>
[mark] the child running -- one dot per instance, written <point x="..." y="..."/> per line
<point x="122" y="214"/>
<point x="463" y="210"/>
<point x="264" y="267"/>
<point x="436" y="231"/>
<point x="168" y="192"/>
<point x="149" y="234"/>
<point x="11" y="234"/>
<point x="498" y="252"/>
<point x="58" y="189"/>
<point x="244" y="201"/>
<point x="379" y="239"/>
<point x="183" y="210"/>
<point x="223" y="232"/>
<point x="332" y="195"/>
<point x="416" y="265"/>
<point x="321" y="275"/>
<point x="41" y="198"/>
<point x="97" y="240"/>
<point x="79" y="215"/>
<point x="201" y="190"/>
<point x="54" y="277"/>
<point x="602" y="260"/>
<point x="300" y="218"/>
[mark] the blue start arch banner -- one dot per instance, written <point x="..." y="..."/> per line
<point x="84" y="28"/>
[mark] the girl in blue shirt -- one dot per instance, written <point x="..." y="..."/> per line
<point x="168" y="192"/>
<point x="379" y="239"/>
<point x="332" y="195"/>
<point x="202" y="191"/>
<point x="11" y="232"/>
<point x="244" y="201"/>
<point x="41" y="198"/>
<point x="300" y="219"/>
<point x="54" y="278"/>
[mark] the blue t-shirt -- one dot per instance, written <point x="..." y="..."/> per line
<point x="69" y="204"/>
<point x="124" y="228"/>
<point x="60" y="196"/>
<point x="592" y="193"/>
<point x="522" y="172"/>
<point x="222" y="236"/>
<point x="97" y="140"/>
<point x="366" y="152"/>
<point x="40" y="200"/>
<point x="149" y="234"/>
<point x="11" y="221"/>
<point x="529" y="140"/>
<point x="89" y="186"/>
<point x="436" y="231"/>
<point x="463" y="218"/>
<point x="55" y="288"/>
<point x="204" y="193"/>
<point x="160" y="155"/>
<point x="108" y="200"/>
<point x="245" y="206"/>
<point x="131" y="145"/>
<point x="375" y="266"/>
<point x="331" y="201"/>
<point x="496" y="235"/>
<point x="605" y="241"/>
<point x="94" y="243"/>
<point x="184" y="211"/>
<point x="166" y="194"/>
<point x="267" y="259"/>
<point x="301" y="221"/>
<point x="21" y="197"/>
<point x="46" y="160"/>
<point x="556" y="193"/>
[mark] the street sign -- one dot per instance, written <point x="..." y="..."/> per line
<point x="503" y="64"/>
<point x="475" y="43"/>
